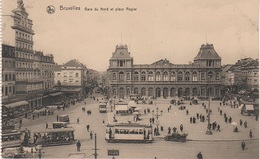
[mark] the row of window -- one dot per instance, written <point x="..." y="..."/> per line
<point x="25" y="36"/>
<point x="71" y="74"/>
<point x="8" y="63"/>
<point x="9" y="90"/>
<point x="23" y="45"/>
<point x="8" y="76"/>
<point x="33" y="65"/>
<point x="23" y="23"/>
<point x="165" y="76"/>
<point x="28" y="75"/>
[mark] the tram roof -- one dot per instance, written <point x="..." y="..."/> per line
<point x="56" y="130"/>
<point x="128" y="125"/>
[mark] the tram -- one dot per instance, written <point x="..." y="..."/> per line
<point x="129" y="132"/>
<point x="11" y="138"/>
<point x="55" y="137"/>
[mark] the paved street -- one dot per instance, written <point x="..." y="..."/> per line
<point x="226" y="142"/>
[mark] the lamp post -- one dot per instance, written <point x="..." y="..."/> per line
<point x="157" y="119"/>
<point x="209" y="132"/>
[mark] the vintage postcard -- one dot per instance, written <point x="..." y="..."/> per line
<point x="130" y="79"/>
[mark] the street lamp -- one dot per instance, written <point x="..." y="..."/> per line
<point x="39" y="149"/>
<point x="157" y="119"/>
<point x="209" y="132"/>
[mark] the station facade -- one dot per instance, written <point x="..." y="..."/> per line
<point x="163" y="79"/>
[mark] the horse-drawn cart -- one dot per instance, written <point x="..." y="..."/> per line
<point x="176" y="137"/>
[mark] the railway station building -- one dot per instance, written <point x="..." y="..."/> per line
<point x="163" y="79"/>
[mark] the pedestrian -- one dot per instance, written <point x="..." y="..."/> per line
<point x="103" y="122"/>
<point x="218" y="128"/>
<point x="46" y="125"/>
<point x="91" y="135"/>
<point x="78" y="145"/>
<point x="169" y="130"/>
<point x="198" y="115"/>
<point x="230" y="119"/>
<point x="77" y="120"/>
<point x="243" y="145"/>
<point x="187" y="112"/>
<point x="57" y="118"/>
<point x="199" y="156"/>
<point x="250" y="133"/>
<point x="168" y="109"/>
<point x="33" y="116"/>
<point x="174" y="129"/>
<point x="88" y="128"/>
<point x="161" y="128"/>
<point x="181" y="127"/>
<point x="191" y="120"/>
<point x="220" y="112"/>
<point x="245" y="124"/>
<point x="241" y="122"/>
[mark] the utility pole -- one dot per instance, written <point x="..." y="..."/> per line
<point x="95" y="154"/>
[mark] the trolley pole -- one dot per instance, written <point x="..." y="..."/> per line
<point x="95" y="154"/>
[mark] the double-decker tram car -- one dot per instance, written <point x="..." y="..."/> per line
<point x="55" y="137"/>
<point x="11" y="138"/>
<point x="129" y="132"/>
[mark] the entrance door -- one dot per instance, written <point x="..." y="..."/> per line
<point x="158" y="92"/>
<point x="180" y="94"/>
<point x="165" y="92"/>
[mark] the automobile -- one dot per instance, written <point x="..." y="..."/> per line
<point x="57" y="125"/>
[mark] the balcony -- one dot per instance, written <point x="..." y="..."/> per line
<point x="29" y="81"/>
<point x="23" y="28"/>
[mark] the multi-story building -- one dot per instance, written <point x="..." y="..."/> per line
<point x="70" y="78"/>
<point x="8" y="72"/>
<point x="163" y="78"/>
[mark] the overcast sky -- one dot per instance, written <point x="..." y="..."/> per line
<point x="171" y="29"/>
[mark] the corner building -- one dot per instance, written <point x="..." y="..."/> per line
<point x="163" y="79"/>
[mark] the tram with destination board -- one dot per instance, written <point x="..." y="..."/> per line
<point x="55" y="137"/>
<point x="129" y="132"/>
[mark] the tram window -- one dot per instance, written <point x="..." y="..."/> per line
<point x="116" y="131"/>
<point x="140" y="131"/>
<point x="132" y="132"/>
<point x="121" y="131"/>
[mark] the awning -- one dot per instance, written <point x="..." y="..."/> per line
<point x="56" y="94"/>
<point x="71" y="90"/>
<point x="16" y="104"/>
<point x="241" y="106"/>
<point x="250" y="107"/>
<point x="121" y="107"/>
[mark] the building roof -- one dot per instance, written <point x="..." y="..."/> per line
<point x="162" y="62"/>
<point x="207" y="52"/>
<point x="121" y="52"/>
<point x="73" y="63"/>
<point x="226" y="68"/>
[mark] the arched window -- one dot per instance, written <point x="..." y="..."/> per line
<point x="217" y="76"/>
<point x="210" y="75"/>
<point x="187" y="76"/>
<point x="121" y="76"/>
<point x="128" y="76"/>
<point x="136" y="76"/>
<point x="173" y="76"/>
<point x="194" y="76"/>
<point x="158" y="76"/>
<point x="165" y="76"/>
<point x="203" y="76"/>
<point x="150" y="76"/>
<point x="143" y="76"/>
<point x="136" y="90"/>
<point x="114" y="76"/>
<point x="180" y="76"/>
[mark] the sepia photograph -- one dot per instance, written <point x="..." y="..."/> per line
<point x="112" y="79"/>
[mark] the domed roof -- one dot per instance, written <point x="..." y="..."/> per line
<point x="121" y="52"/>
